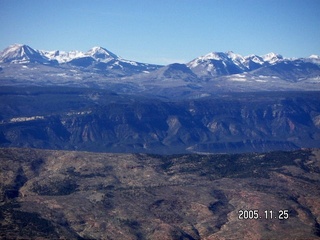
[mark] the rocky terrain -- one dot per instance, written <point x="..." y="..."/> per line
<point x="48" y="194"/>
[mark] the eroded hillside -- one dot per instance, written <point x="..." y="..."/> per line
<point x="82" y="195"/>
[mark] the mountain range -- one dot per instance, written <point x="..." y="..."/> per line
<point x="216" y="71"/>
<point x="98" y="58"/>
<point x="212" y="64"/>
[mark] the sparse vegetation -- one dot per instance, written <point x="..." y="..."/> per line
<point x="78" y="195"/>
<point x="57" y="187"/>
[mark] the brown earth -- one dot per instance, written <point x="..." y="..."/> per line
<point x="82" y="195"/>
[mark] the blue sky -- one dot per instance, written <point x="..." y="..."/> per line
<point x="164" y="31"/>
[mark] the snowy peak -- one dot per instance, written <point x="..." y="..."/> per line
<point x="62" y="56"/>
<point x="214" y="56"/>
<point x="238" y="59"/>
<point x="255" y="58"/>
<point x="235" y="56"/>
<point x="221" y="56"/>
<point x="101" y="54"/>
<point x="253" y="62"/>
<point x="272" y="57"/>
<point x="19" y="53"/>
<point x="218" y="63"/>
<point x="315" y="57"/>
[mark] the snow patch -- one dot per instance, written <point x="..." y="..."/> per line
<point x="238" y="79"/>
<point x="259" y="80"/>
<point x="25" y="119"/>
<point x="78" y="113"/>
<point x="272" y="57"/>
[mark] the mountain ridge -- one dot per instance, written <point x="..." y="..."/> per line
<point x="202" y="76"/>
<point x="102" y="54"/>
<point x="97" y="58"/>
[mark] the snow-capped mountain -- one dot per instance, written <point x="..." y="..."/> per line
<point x="97" y="59"/>
<point x="215" y="71"/>
<point x="314" y="59"/>
<point x="218" y="63"/>
<point x="99" y="54"/>
<point x="291" y="70"/>
<point x="101" y="60"/>
<point x="271" y="65"/>
<point x="253" y="62"/>
<point x="272" y="58"/>
<point x="19" y="53"/>
<point x="62" y="56"/>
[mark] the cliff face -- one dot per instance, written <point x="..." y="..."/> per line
<point x="96" y="120"/>
<point x="82" y="195"/>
